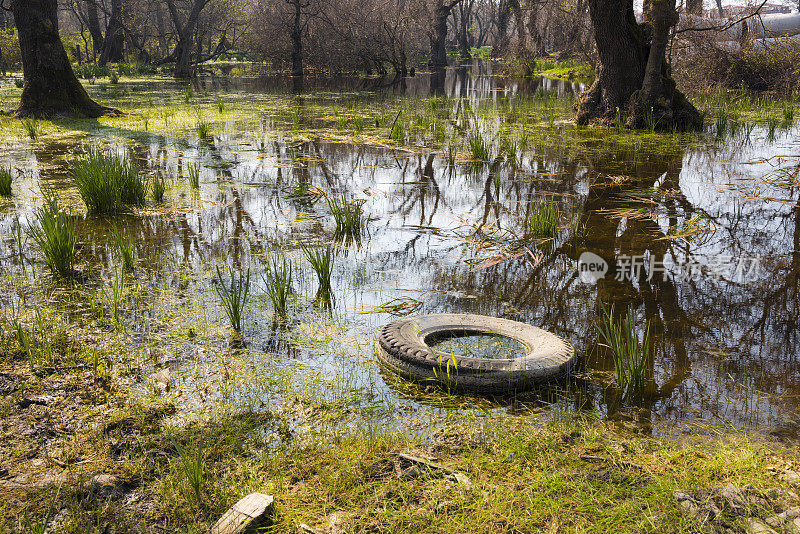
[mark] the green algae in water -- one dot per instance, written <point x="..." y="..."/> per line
<point x="477" y="345"/>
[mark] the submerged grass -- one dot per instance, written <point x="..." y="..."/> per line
<point x="108" y="182"/>
<point x="158" y="188"/>
<point x="56" y="234"/>
<point x="193" y="175"/>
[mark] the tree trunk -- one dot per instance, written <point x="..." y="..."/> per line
<point x="464" y="13"/>
<point x="51" y="88"/>
<point x="296" y="35"/>
<point x="438" y="32"/>
<point x="694" y="7"/>
<point x="115" y="36"/>
<point x="633" y="83"/>
<point x="93" y="21"/>
<point x="185" y="47"/>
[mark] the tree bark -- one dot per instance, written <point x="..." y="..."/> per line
<point x="115" y="36"/>
<point x="185" y="47"/>
<point x="438" y="32"/>
<point x="93" y="22"/>
<point x="51" y="88"/>
<point x="296" y="34"/>
<point x="633" y="83"/>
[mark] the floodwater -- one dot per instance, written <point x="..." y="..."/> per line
<point x="700" y="236"/>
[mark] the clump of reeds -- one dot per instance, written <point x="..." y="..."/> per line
<point x="56" y="235"/>
<point x="203" y="130"/>
<point x="108" y="182"/>
<point x="193" y="175"/>
<point x="125" y="248"/>
<point x="321" y="261"/>
<point x="347" y="213"/>
<point x="478" y="147"/>
<point x="6" y="176"/>
<point x="632" y="354"/>
<point x="278" y="282"/>
<point x="158" y="188"/>
<point x="543" y="218"/>
<point x="233" y="295"/>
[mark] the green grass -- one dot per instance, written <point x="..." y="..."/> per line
<point x="158" y="188"/>
<point x="6" y="177"/>
<point x="203" y="130"/>
<point x="56" y="234"/>
<point x="348" y="214"/>
<point x="193" y="175"/>
<point x="124" y="248"/>
<point x="478" y="147"/>
<point x="192" y="465"/>
<point x="278" y="284"/>
<point x="31" y="127"/>
<point x="321" y="261"/>
<point x="543" y="219"/>
<point x="632" y="353"/>
<point x="233" y="295"/>
<point x="108" y="182"/>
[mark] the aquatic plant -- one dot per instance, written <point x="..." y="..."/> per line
<point x="6" y="177"/>
<point x="233" y="295"/>
<point x="347" y="213"/>
<point x="56" y="235"/>
<point x="478" y="147"/>
<point x="788" y="116"/>
<point x="188" y="94"/>
<point x="31" y="127"/>
<point x="296" y="118"/>
<point x="511" y="150"/>
<point x="124" y="248"/>
<point x="772" y="126"/>
<point x="203" y="130"/>
<point x="220" y="105"/>
<point x="278" y="282"/>
<point x="108" y="182"/>
<point x="193" y="175"/>
<point x="159" y="187"/>
<point x="322" y="263"/>
<point x="451" y="156"/>
<point x="358" y="124"/>
<point x="543" y="218"/>
<point x="632" y="355"/>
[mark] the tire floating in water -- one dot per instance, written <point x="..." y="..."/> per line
<point x="405" y="349"/>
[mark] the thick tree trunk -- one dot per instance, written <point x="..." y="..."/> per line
<point x="185" y="47"/>
<point x="51" y="88"/>
<point x="464" y="13"/>
<point x="296" y="34"/>
<point x="438" y="37"/>
<point x="93" y="21"/>
<point x="115" y="36"/>
<point x="633" y="82"/>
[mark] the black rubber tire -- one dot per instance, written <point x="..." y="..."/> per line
<point x="402" y="349"/>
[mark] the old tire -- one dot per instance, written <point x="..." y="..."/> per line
<point x="403" y="350"/>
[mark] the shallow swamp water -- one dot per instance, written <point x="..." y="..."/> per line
<point x="700" y="235"/>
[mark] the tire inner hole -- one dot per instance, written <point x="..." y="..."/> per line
<point x="476" y="344"/>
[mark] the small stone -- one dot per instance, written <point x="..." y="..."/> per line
<point x="245" y="515"/>
<point x="754" y="526"/>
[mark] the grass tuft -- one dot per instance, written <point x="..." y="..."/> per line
<point x="56" y="235"/>
<point x="124" y="248"/>
<point x="6" y="176"/>
<point x="478" y="147"/>
<point x="543" y="218"/>
<point x="31" y="127"/>
<point x="322" y="263"/>
<point x="233" y="295"/>
<point x="159" y="187"/>
<point x="108" y="182"/>
<point x="347" y="213"/>
<point x="278" y="282"/>
<point x="193" y="175"/>
<point x="632" y="355"/>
